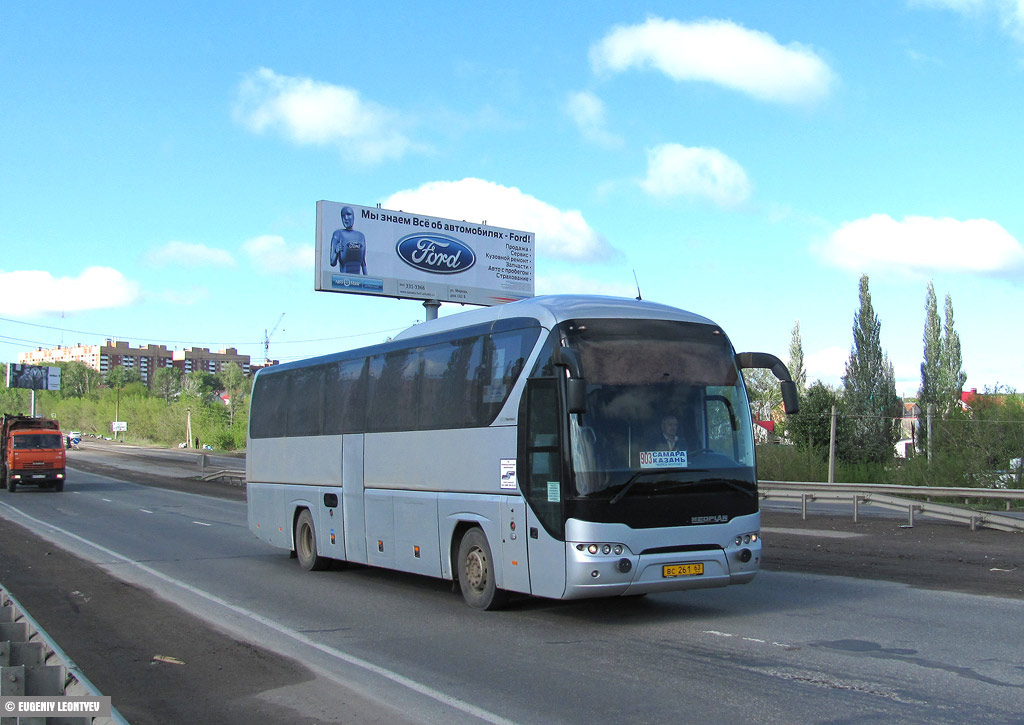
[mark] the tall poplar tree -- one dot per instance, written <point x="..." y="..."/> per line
<point x="796" y="360"/>
<point x="932" y="367"/>
<point x="942" y="379"/>
<point x="869" y="390"/>
<point x="953" y="377"/>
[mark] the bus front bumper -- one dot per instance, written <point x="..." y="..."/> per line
<point x="588" y="575"/>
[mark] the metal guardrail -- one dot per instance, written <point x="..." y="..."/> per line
<point x="33" y="665"/>
<point x="898" y="498"/>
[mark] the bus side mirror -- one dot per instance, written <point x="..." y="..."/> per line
<point x="790" y="399"/>
<point x="575" y="385"/>
<point x="576" y="395"/>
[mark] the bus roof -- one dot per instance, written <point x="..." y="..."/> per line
<point x="549" y="310"/>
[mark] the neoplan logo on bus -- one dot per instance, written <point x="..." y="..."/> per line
<point x="435" y="253"/>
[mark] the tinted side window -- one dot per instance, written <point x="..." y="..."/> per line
<point x="393" y="391"/>
<point x="305" y="401"/>
<point x="443" y="391"/>
<point x="505" y="356"/>
<point x="345" y="397"/>
<point x="268" y="407"/>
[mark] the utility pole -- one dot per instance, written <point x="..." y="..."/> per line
<point x="832" y="447"/>
<point x="931" y="414"/>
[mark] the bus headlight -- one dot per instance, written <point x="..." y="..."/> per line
<point x="601" y="549"/>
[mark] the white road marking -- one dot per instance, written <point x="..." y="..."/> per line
<point x="145" y="511"/>
<point x="754" y="640"/>
<point x="201" y="523"/>
<point x="387" y="674"/>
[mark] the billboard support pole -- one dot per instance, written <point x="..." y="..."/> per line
<point x="32" y="404"/>
<point x="431" y="306"/>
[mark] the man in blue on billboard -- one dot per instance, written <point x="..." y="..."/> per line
<point x="348" y="247"/>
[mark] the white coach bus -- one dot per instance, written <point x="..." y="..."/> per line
<point x="562" y="447"/>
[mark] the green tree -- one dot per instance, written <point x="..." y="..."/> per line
<point x="869" y="390"/>
<point x="953" y="376"/>
<point x="763" y="391"/>
<point x="199" y="384"/>
<point x="796" y="360"/>
<point x="942" y="379"/>
<point x="166" y="383"/>
<point x="118" y="378"/>
<point x="78" y="380"/>
<point x="932" y="367"/>
<point x="811" y="428"/>
<point x="237" y="385"/>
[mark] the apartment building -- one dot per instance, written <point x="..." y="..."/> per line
<point x="146" y="359"/>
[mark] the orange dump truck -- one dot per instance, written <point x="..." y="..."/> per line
<point x="32" y="450"/>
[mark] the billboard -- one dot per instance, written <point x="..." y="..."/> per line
<point x="372" y="251"/>
<point x="33" y="377"/>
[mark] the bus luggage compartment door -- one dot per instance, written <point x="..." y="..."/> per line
<point x="547" y="560"/>
<point x="515" y="564"/>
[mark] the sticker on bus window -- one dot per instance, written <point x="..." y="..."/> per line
<point x="508" y="473"/>
<point x="494" y="393"/>
<point x="663" y="459"/>
<point x="554" y="492"/>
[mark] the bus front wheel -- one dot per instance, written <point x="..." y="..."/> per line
<point x="305" y="543"/>
<point x="476" y="572"/>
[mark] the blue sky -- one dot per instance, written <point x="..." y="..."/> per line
<point x="749" y="161"/>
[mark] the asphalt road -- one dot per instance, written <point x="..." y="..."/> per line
<point x="378" y="646"/>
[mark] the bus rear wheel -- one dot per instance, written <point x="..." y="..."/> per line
<point x="305" y="543"/>
<point x="476" y="573"/>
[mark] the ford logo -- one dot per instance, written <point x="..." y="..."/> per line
<point x="435" y="253"/>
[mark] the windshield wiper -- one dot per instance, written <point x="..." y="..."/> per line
<point x="736" y="486"/>
<point x="636" y="477"/>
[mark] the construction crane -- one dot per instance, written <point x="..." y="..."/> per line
<point x="266" y="340"/>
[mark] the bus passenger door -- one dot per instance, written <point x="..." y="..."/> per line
<point x="540" y="465"/>
<point x="352" y="497"/>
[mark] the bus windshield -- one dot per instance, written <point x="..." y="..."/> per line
<point x="666" y="415"/>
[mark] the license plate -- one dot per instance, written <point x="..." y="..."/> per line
<point x="38" y="475"/>
<point x="672" y="570"/>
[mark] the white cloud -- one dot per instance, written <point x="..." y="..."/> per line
<point x="827" y="365"/>
<point x="191" y="255"/>
<point x="717" y="51"/>
<point x="676" y="170"/>
<point x="271" y="254"/>
<point x="1010" y="13"/>
<point x="186" y="296"/>
<point x="559" y="234"/>
<point x="310" y="112"/>
<point x="587" y="112"/>
<point x="33" y="292"/>
<point x="925" y="245"/>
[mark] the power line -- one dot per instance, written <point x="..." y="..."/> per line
<point x="187" y="342"/>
